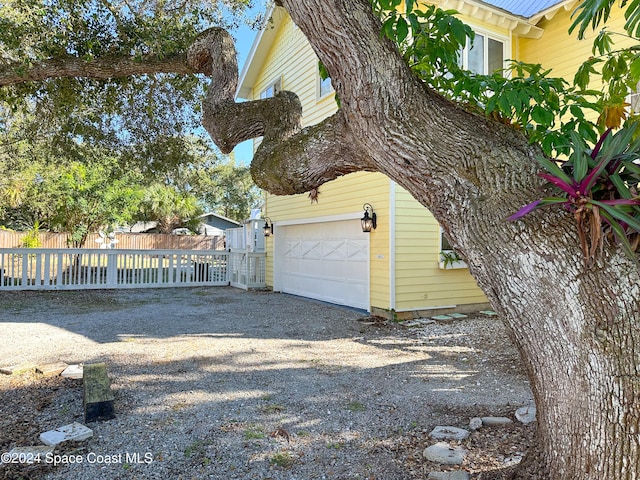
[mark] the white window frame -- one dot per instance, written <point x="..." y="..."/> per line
<point x="274" y="85"/>
<point x="633" y="99"/>
<point x="319" y="93"/>
<point x="445" y="249"/>
<point x="506" y="49"/>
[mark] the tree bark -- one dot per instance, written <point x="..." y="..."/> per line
<point x="101" y="68"/>
<point x="575" y="326"/>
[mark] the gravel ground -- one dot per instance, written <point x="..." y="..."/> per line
<point x="226" y="384"/>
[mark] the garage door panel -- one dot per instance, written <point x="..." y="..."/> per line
<point x="327" y="261"/>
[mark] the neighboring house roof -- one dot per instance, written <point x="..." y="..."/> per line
<point x="211" y="224"/>
<point x="215" y="220"/>
<point x="140" y="227"/>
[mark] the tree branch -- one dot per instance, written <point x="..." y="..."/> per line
<point x="99" y="68"/>
<point x="290" y="159"/>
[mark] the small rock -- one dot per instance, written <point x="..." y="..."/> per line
<point x="493" y="421"/>
<point x="425" y="321"/>
<point x="475" y="423"/>
<point x="448" y="476"/>
<point x="32" y="454"/>
<point x="442" y="318"/>
<point x="410" y="323"/>
<point x="449" y="433"/>
<point x="75" y="432"/>
<point x="445" y="454"/>
<point x="72" y="371"/>
<point x="526" y="415"/>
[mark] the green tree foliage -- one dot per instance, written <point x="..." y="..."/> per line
<point x="91" y="188"/>
<point x="222" y="187"/>
<point x="546" y="108"/>
<point x="87" y="198"/>
<point x="148" y="121"/>
<point x="124" y="111"/>
<point x="170" y="208"/>
<point x="80" y="153"/>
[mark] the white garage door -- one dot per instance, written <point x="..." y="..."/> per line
<point x="327" y="261"/>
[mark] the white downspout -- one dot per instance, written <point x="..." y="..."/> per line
<point x="392" y="244"/>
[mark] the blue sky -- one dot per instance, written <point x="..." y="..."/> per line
<point x="244" y="39"/>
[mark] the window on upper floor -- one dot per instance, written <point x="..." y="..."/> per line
<point x="324" y="87"/>
<point x="272" y="89"/>
<point x="485" y="55"/>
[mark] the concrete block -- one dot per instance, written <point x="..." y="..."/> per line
<point x="75" y="432"/>
<point x="73" y="371"/>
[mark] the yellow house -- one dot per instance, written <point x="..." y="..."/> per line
<point x="402" y="267"/>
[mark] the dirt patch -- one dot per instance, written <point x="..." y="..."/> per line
<point x="220" y="383"/>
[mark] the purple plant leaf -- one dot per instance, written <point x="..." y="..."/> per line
<point x="559" y="183"/>
<point x="601" y="140"/>
<point x="524" y="211"/>
<point x="543" y="202"/>
<point x="588" y="181"/>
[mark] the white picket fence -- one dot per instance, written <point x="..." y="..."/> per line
<point x="79" y="269"/>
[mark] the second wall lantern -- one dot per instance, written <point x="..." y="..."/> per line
<point x="268" y="227"/>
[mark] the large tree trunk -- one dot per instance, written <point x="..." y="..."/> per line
<point x="576" y="331"/>
<point x="574" y="325"/>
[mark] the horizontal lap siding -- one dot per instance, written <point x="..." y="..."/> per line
<point x="293" y="60"/>
<point x="564" y="53"/>
<point x="420" y="283"/>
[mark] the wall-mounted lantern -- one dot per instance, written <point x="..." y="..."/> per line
<point x="368" y="221"/>
<point x="268" y="227"/>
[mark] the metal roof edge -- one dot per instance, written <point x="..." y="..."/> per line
<point x="550" y="12"/>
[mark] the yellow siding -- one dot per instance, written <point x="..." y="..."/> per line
<point x="564" y="53"/>
<point x="420" y="282"/>
<point x="292" y="59"/>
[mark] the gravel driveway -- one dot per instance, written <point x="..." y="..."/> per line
<point x="226" y="384"/>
